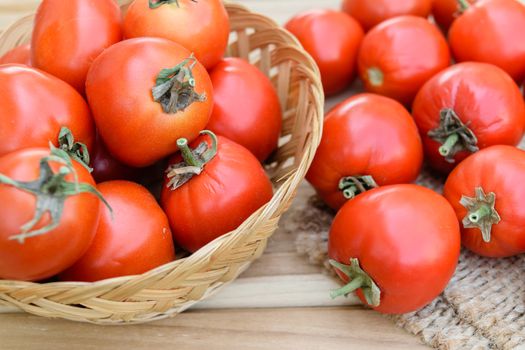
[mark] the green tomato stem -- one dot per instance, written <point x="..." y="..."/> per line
<point x="463" y="5"/>
<point x="446" y="148"/>
<point x="479" y="214"/>
<point x="375" y="76"/>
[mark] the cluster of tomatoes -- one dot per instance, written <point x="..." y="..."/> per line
<point x="100" y="108"/>
<point x="396" y="243"/>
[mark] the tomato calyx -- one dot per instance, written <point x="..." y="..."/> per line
<point x="76" y="150"/>
<point x="463" y="6"/>
<point x="51" y="191"/>
<point x="375" y="76"/>
<point x="351" y="186"/>
<point x="482" y="213"/>
<point x="175" y="87"/>
<point x="359" y="279"/>
<point x="153" y="4"/>
<point x="454" y="135"/>
<point x="193" y="160"/>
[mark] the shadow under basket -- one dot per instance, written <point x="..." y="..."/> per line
<point x="174" y="287"/>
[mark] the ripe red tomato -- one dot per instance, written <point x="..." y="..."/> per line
<point x="136" y="129"/>
<point x="213" y="191"/>
<point x="446" y="11"/>
<point x="50" y="220"/>
<point x="465" y="108"/>
<point x="486" y="191"/>
<point x="399" y="245"/>
<point x="247" y="109"/>
<point x="370" y="13"/>
<point x="491" y="31"/>
<point x="398" y="56"/>
<point x="20" y="54"/>
<point x="200" y="26"/>
<point x="332" y="38"/>
<point x="134" y="240"/>
<point x="35" y="105"/>
<point x="365" y="136"/>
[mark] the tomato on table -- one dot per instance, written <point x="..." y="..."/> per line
<point x="146" y="93"/>
<point x="211" y="189"/>
<point x="200" y="26"/>
<point x="19" y="55"/>
<point x="399" y="55"/>
<point x="246" y="109"/>
<point x="491" y="31"/>
<point x="371" y="13"/>
<point x="69" y="35"/>
<point x="446" y="11"/>
<point x="332" y="38"/>
<point x="467" y="107"/>
<point x="52" y="215"/>
<point x="398" y="246"/>
<point x="486" y="191"/>
<point x="34" y="106"/>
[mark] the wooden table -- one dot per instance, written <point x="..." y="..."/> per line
<point x="281" y="302"/>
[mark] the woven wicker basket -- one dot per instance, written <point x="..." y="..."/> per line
<point x="172" y="288"/>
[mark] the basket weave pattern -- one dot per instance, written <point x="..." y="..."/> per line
<point x="174" y="287"/>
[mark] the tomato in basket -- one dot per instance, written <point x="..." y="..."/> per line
<point x="467" y="107"/>
<point x="446" y="11"/>
<point x="20" y="54"/>
<point x="397" y="246"/>
<point x="211" y="189"/>
<point x="200" y="26"/>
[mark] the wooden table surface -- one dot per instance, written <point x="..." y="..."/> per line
<point x="281" y="302"/>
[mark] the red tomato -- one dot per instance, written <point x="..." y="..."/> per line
<point x="231" y="186"/>
<point x="399" y="245"/>
<point x="20" y="54"/>
<point x="136" y="129"/>
<point x="398" y="56"/>
<point x="491" y="31"/>
<point x="467" y="107"/>
<point x="43" y="230"/>
<point x="370" y="13"/>
<point x="200" y="26"/>
<point x="35" y="105"/>
<point x="446" y="11"/>
<point x="107" y="168"/>
<point x="134" y="240"/>
<point x="247" y="108"/>
<point x="332" y="38"/>
<point x="365" y="136"/>
<point x="69" y="35"/>
<point x="487" y="191"/>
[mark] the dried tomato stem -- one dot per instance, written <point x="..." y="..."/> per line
<point x="482" y="213"/>
<point x="187" y="154"/>
<point x="76" y="150"/>
<point x="479" y="214"/>
<point x="375" y="76"/>
<point x="463" y="5"/>
<point x="351" y="186"/>
<point x="446" y="148"/>
<point x="153" y="4"/>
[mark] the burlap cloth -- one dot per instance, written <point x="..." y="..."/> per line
<point x="483" y="306"/>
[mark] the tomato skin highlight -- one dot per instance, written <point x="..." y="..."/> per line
<point x="398" y="56"/>
<point x="19" y="55"/>
<point x="410" y="250"/>
<point x="202" y="27"/>
<point x="136" y="239"/>
<point x="42" y="256"/>
<point x="246" y="109"/>
<point x="132" y="125"/>
<point x="484" y="97"/>
<point x="498" y="169"/>
<point x="35" y="105"/>
<point x="232" y="186"/>
<point x="371" y="13"/>
<point x="332" y="38"/>
<point x="366" y="135"/>
<point x="69" y="35"/>
<point x="501" y="33"/>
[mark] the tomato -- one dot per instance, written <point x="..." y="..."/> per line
<point x="332" y="38"/>
<point x="487" y="191"/>
<point x="491" y="31"/>
<point x="368" y="140"/>
<point x="20" y="54"/>
<point x="370" y="13"/>
<point x="399" y="245"/>
<point x="398" y="56"/>
<point x="200" y="26"/>
<point x="106" y="168"/>
<point x="465" y="108"/>
<point x="123" y="87"/>
<point x="69" y="35"/>
<point x="35" y="105"/>
<point x="247" y="109"/>
<point x="134" y="240"/>
<point x="213" y="190"/>
<point x="51" y="218"/>
<point x="446" y="11"/>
